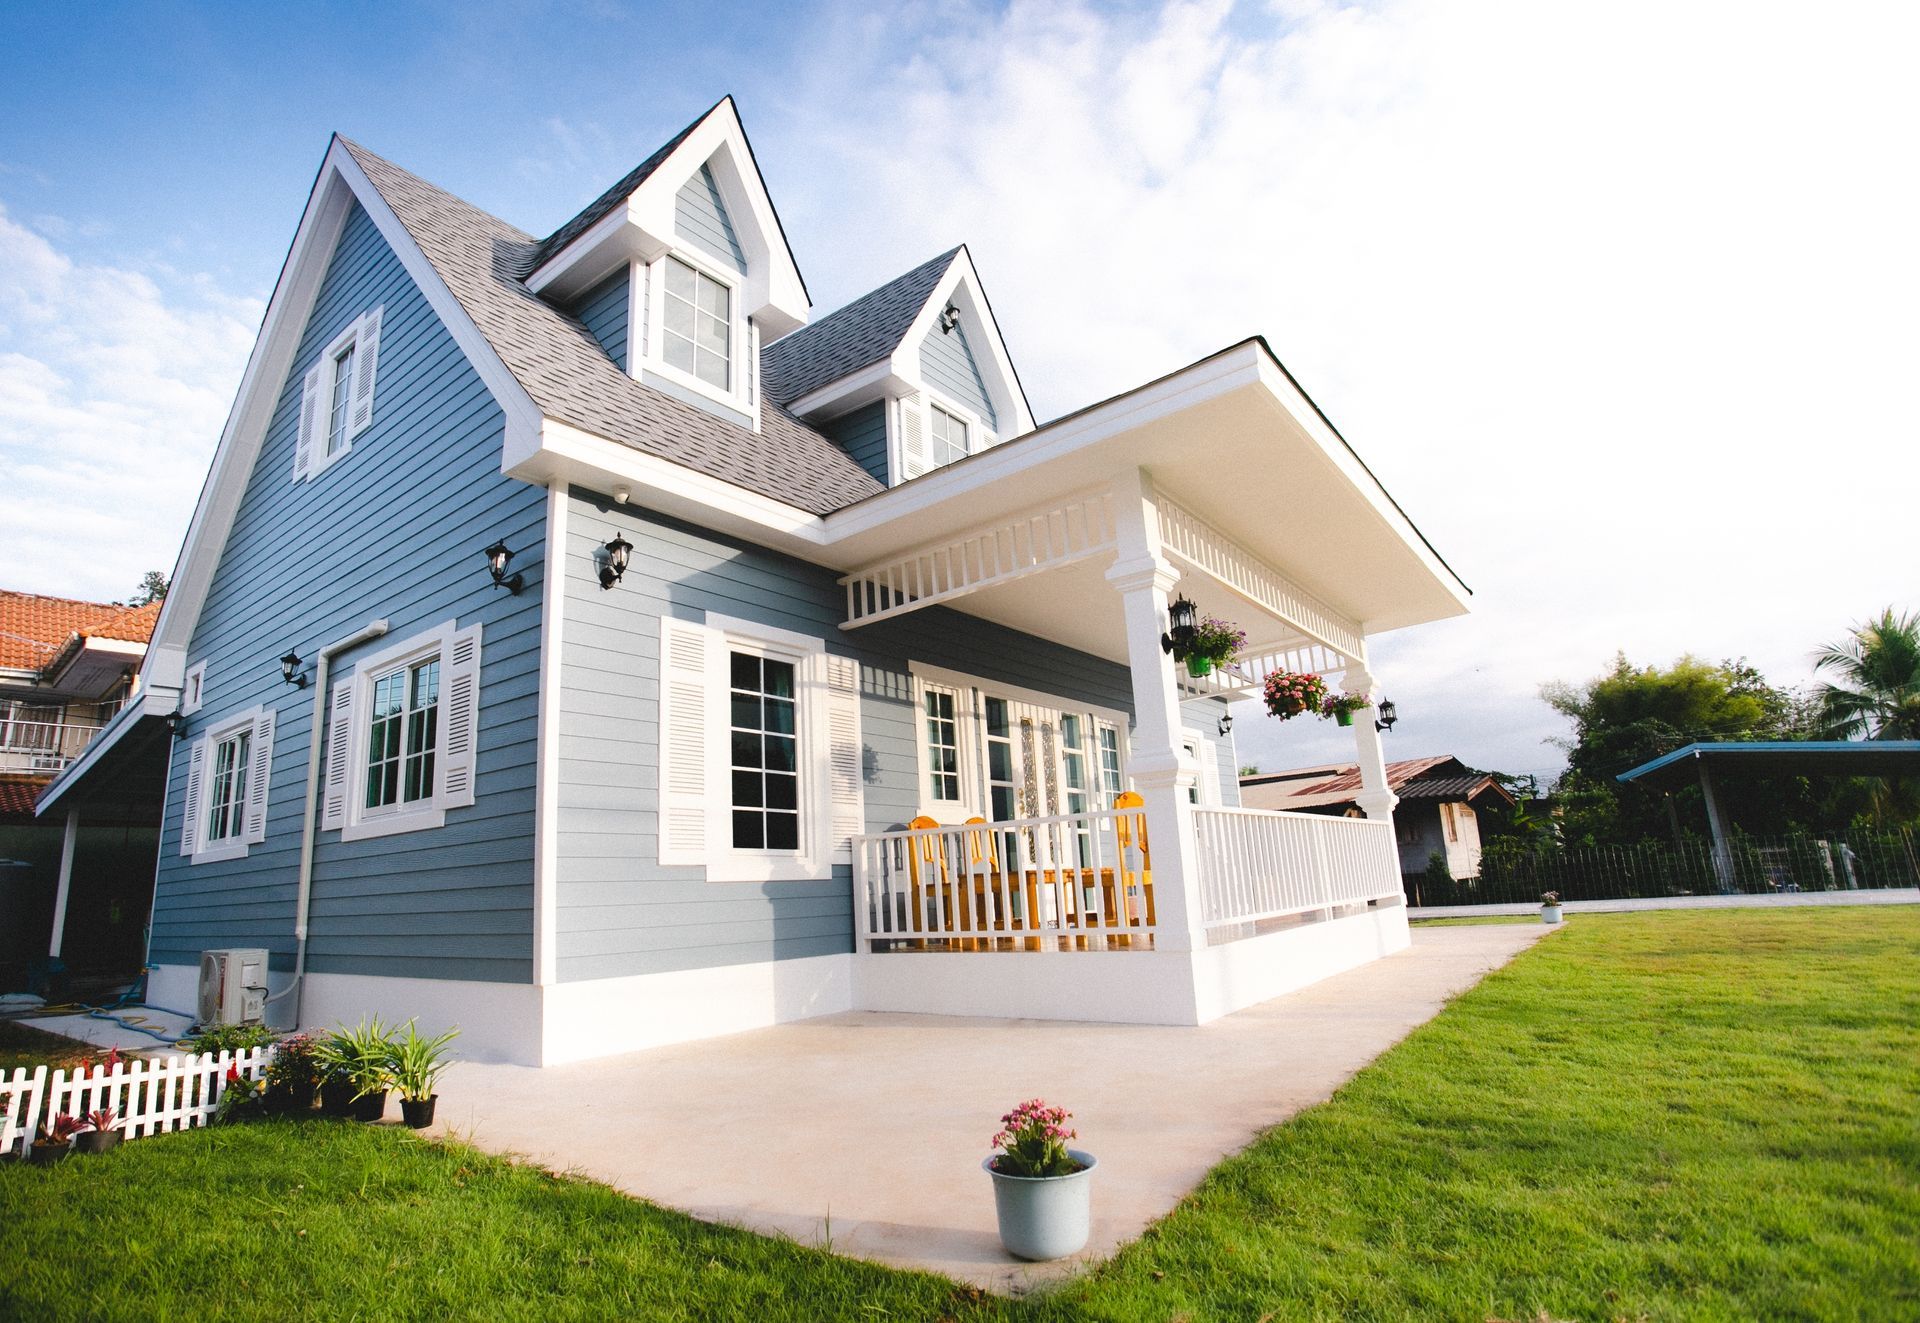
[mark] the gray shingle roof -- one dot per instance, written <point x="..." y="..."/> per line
<point x="484" y="262"/>
<point x="863" y="332"/>
<point x="613" y="197"/>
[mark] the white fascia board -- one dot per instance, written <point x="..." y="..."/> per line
<point x="876" y="381"/>
<point x="153" y="701"/>
<point x="339" y="184"/>
<point x="615" y="238"/>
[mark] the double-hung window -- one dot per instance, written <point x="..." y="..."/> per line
<point x="225" y="802"/>
<point x="697" y="329"/>
<point x="402" y="731"/>
<point x="948" y="436"/>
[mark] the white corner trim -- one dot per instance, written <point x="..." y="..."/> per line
<point x="546" y="803"/>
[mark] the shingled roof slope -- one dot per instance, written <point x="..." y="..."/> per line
<point x="33" y="628"/>
<point x="1410" y="778"/>
<point x="484" y="262"/>
<point x="843" y="342"/>
<point x="597" y="210"/>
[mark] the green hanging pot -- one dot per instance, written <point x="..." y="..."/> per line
<point x="1344" y="717"/>
<point x="1199" y="666"/>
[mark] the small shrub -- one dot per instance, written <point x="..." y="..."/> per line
<point x="229" y="1038"/>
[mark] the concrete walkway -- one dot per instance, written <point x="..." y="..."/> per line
<point x="867" y="1130"/>
<point x="1769" y="900"/>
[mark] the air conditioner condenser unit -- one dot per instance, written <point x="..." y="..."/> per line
<point x="233" y="986"/>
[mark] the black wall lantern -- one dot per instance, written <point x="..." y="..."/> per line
<point x="1387" y="716"/>
<point x="290" y="669"/>
<point x="615" y="565"/>
<point x="1226" y="724"/>
<point x="949" y="318"/>
<point x="498" y="557"/>
<point x="1182" y="617"/>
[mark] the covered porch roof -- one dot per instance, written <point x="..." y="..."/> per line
<point x="1683" y="766"/>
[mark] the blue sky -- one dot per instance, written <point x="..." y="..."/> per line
<point x="1615" y="298"/>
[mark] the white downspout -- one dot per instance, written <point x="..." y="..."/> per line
<point x="322" y="664"/>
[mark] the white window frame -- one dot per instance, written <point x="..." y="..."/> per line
<point x="1206" y="758"/>
<point x="193" y="689"/>
<point x="739" y="393"/>
<point x="922" y="404"/>
<point x="257" y="724"/>
<point x="362" y="336"/>
<point x="358" y="822"/>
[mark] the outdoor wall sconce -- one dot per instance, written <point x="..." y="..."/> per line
<point x="949" y="318"/>
<point x="1182" y="617"/>
<point x="1387" y="716"/>
<point x="177" y="724"/>
<point x="1226" y="724"/>
<point x="290" y="670"/>
<point x="615" y="565"/>
<point x="497" y="558"/>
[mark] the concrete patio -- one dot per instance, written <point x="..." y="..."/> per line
<point x="866" y="1131"/>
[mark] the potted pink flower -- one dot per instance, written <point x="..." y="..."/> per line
<point x="1289" y="693"/>
<point x="1042" y="1190"/>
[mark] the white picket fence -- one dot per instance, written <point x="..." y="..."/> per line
<point x="147" y="1097"/>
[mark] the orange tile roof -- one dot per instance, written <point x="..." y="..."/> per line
<point x="33" y="627"/>
<point x="17" y="795"/>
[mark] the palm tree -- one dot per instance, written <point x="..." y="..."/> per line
<point x="1878" y="669"/>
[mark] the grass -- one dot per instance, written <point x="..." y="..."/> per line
<point x="1698" y="1115"/>
<point x="22" y="1045"/>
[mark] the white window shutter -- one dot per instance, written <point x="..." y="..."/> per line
<point x="915" y="457"/>
<point x="339" y="776"/>
<point x="460" y="710"/>
<point x="847" y="815"/>
<point x="191" y="803"/>
<point x="366" y="359"/>
<point x="313" y="395"/>
<point x="685" y="654"/>
<point x="258" y="775"/>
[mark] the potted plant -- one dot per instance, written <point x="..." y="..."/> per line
<point x="241" y="1099"/>
<point x="418" y="1064"/>
<point x="292" y="1075"/>
<point x="361" y="1060"/>
<point x="1214" y="643"/>
<point x="1343" y="705"/>
<point x="1289" y="693"/>
<point x="1042" y="1190"/>
<point x="55" y="1139"/>
<point x="101" y="1134"/>
<point x="336" y="1085"/>
<point x="1549" y="907"/>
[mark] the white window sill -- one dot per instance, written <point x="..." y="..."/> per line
<point x="232" y="848"/>
<point x="394" y="824"/>
<point x="322" y="462"/>
<point x="680" y="377"/>
<point x="747" y="867"/>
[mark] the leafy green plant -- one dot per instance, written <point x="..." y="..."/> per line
<point x="418" y="1063"/>
<point x="294" y="1070"/>
<point x="241" y="1099"/>
<point x="362" y="1055"/>
<point x="229" y="1038"/>
<point x="1033" y="1141"/>
<point x="1218" y="640"/>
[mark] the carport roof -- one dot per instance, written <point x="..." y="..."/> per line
<point x="1791" y="757"/>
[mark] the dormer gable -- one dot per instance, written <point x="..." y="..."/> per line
<point x="907" y="378"/>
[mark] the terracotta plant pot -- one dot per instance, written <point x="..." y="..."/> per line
<point x="371" y="1107"/>
<point x="418" y="1112"/>
<point x="96" y="1141"/>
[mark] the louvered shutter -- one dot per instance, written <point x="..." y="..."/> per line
<point x="333" y="806"/>
<point x="192" y="803"/>
<point x="312" y="398"/>
<point x="847" y="807"/>
<point x="915" y="457"/>
<point x="686" y="650"/>
<point x="258" y="777"/>
<point x="366" y="359"/>
<point x="460" y="710"/>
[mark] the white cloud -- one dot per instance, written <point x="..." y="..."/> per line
<point x="114" y="385"/>
<point x="1616" y="299"/>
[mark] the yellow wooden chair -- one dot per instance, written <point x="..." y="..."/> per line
<point x="927" y="874"/>
<point x="1136" y="860"/>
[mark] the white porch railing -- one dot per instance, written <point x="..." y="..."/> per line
<point x="41" y="746"/>
<point x="1257" y="864"/>
<point x="1079" y="881"/>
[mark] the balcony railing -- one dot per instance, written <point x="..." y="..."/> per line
<point x="1079" y="881"/>
<point x="1256" y="864"/>
<point x="41" y="746"/>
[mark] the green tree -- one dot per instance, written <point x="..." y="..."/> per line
<point x="153" y="588"/>
<point x="1875" y="690"/>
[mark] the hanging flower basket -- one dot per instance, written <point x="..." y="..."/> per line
<point x="1215" y="643"/>
<point x="1289" y="693"/>
<point x="1342" y="706"/>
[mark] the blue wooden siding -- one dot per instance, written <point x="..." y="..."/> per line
<point x="619" y="911"/>
<point x="394" y="529"/>
<point x="863" y="435"/>
<point x="604" y="310"/>
<point x="947" y="363"/>
<point x="700" y="217"/>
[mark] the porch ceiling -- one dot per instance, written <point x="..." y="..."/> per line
<point x="1231" y="439"/>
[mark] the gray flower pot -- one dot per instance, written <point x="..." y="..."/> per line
<point x="1549" y="914"/>
<point x="1045" y="1217"/>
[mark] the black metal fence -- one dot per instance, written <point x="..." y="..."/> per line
<point x="1749" y="865"/>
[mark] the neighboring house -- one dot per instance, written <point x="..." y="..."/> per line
<point x="66" y="666"/>
<point x="1438" y="809"/>
<point x="772" y="588"/>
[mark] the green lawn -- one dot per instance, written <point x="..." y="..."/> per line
<point x="24" y="1046"/>
<point x="1699" y="1115"/>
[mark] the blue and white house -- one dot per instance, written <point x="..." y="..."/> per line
<point x="573" y="630"/>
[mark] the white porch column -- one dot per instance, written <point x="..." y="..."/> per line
<point x="1375" y="799"/>
<point x="1160" y="768"/>
<point x="67" y="844"/>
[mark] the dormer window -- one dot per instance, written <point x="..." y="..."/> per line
<point x="949" y="437"/>
<point x="698" y="328"/>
